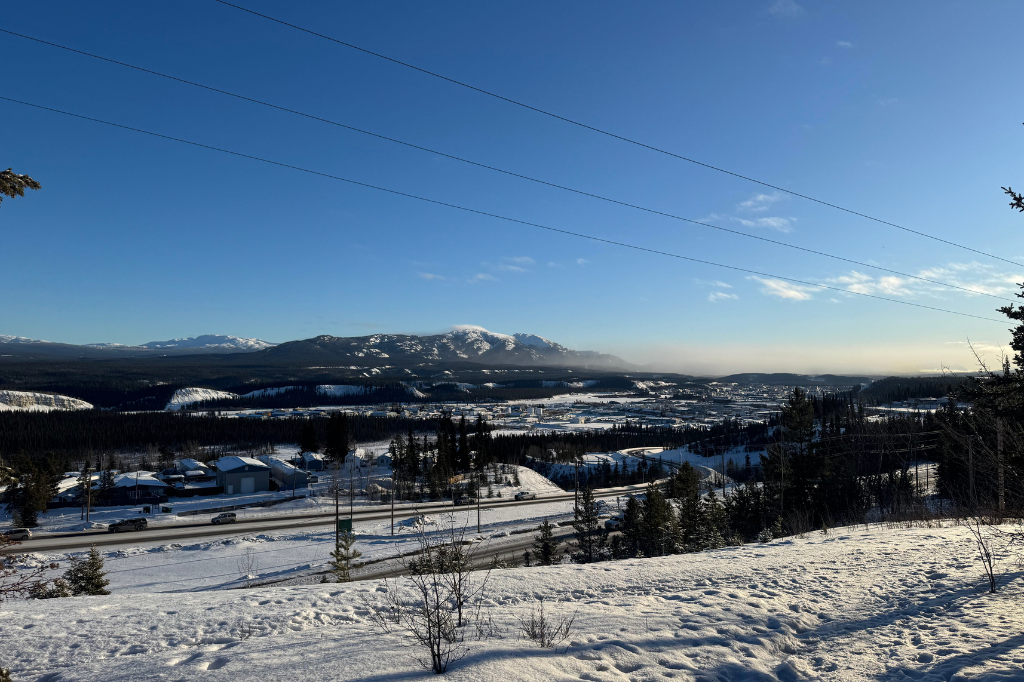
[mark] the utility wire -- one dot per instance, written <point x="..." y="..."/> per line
<point x="511" y="173"/>
<point x="616" y="136"/>
<point x="475" y="211"/>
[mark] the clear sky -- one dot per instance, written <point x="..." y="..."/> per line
<point x="907" y="111"/>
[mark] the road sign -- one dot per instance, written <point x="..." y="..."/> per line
<point x="344" y="525"/>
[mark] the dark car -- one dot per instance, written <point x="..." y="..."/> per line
<point x="465" y="499"/>
<point x="127" y="524"/>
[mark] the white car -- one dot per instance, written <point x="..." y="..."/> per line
<point x="19" y="534"/>
<point x="525" y="495"/>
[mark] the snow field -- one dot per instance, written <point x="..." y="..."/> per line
<point x="879" y="604"/>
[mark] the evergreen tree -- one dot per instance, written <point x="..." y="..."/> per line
<point x="631" y="527"/>
<point x="462" y="456"/>
<point x="307" y="438"/>
<point x="343" y="555"/>
<point x="336" y="441"/>
<point x="86" y="576"/>
<point x="105" y="488"/>
<point x="589" y="538"/>
<point x="656" y="523"/>
<point x="545" y="545"/>
<point x="14" y="185"/>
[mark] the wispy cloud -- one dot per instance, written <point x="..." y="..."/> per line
<point x="786" y="8"/>
<point x="508" y="267"/>
<point x="976" y="278"/>
<point x="520" y="260"/>
<point x="581" y="261"/>
<point x="482" y="277"/>
<point x="760" y="202"/>
<point x="845" y="44"/>
<point x="713" y="283"/>
<point x="717" y="296"/>
<point x="773" y="222"/>
<point x="783" y="289"/>
<point x="430" y="275"/>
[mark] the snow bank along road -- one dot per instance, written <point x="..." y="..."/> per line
<point x="880" y="604"/>
<point x="83" y="540"/>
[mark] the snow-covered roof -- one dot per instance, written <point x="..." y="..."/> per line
<point x="234" y="462"/>
<point x="193" y="464"/>
<point x="145" y="478"/>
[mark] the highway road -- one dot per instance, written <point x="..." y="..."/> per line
<point x="178" y="532"/>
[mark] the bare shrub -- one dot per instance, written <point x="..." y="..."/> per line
<point x="248" y="567"/>
<point x="546" y="632"/>
<point x="984" y="539"/>
<point x="431" y="606"/>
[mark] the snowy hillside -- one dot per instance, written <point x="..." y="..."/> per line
<point x="880" y="604"/>
<point x="39" y="402"/>
<point x="187" y="396"/>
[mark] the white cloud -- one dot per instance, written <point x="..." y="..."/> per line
<point x="430" y="275"/>
<point x="783" y="289"/>
<point x="976" y="278"/>
<point x="581" y="261"/>
<point x="481" y="277"/>
<point x="717" y="296"/>
<point x="506" y="267"/>
<point x="760" y="202"/>
<point x="519" y="260"/>
<point x="844" y="44"/>
<point x="786" y="8"/>
<point x="773" y="222"/>
<point x="713" y="283"/>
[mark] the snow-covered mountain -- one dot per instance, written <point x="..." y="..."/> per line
<point x="24" y="347"/>
<point x="211" y="341"/>
<point x="462" y="344"/>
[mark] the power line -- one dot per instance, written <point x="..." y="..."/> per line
<point x="616" y="136"/>
<point x="507" y="172"/>
<point x="475" y="211"/>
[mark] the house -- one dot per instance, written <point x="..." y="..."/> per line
<point x="185" y="466"/>
<point x="287" y="475"/>
<point x="313" y="461"/>
<point x="242" y="475"/>
<point x="137" y="488"/>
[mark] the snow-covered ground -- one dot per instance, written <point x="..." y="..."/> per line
<point x="878" y="604"/>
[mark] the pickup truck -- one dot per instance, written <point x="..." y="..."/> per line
<point x="525" y="495"/>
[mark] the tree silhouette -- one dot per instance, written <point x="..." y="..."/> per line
<point x="14" y="185"/>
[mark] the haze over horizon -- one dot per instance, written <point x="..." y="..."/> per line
<point x="134" y="238"/>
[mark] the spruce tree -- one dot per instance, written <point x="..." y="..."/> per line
<point x="586" y="525"/>
<point x="86" y="576"/>
<point x="307" y="438"/>
<point x="337" y="438"/>
<point x="343" y="555"/>
<point x="545" y="545"/>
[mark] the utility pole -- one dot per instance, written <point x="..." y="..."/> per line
<point x="351" y="490"/>
<point x="970" y="471"/>
<point x="478" y="511"/>
<point x="1001" y="471"/>
<point x="88" y="492"/>
<point x="394" y="491"/>
<point x="336" y="475"/>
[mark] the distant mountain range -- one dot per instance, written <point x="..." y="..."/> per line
<point x="26" y="348"/>
<point x="462" y="345"/>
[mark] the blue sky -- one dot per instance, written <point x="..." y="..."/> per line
<point x="905" y="111"/>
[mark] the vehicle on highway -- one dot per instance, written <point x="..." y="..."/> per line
<point x="614" y="523"/>
<point x="226" y="517"/>
<point x="127" y="524"/>
<point x="525" y="495"/>
<point x="18" y="534"/>
<point x="465" y="499"/>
